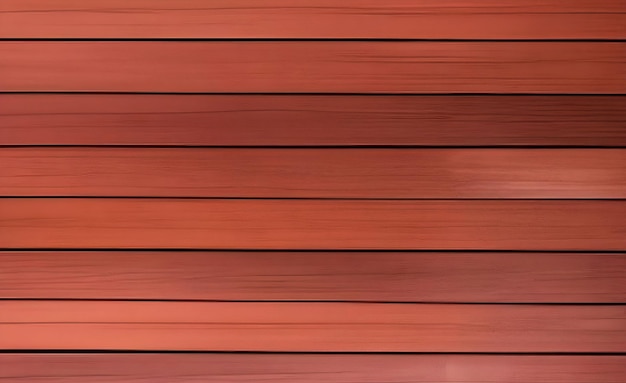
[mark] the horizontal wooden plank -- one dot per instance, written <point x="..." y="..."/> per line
<point x="327" y="276"/>
<point x="294" y="327"/>
<point x="435" y="19"/>
<point x="314" y="173"/>
<point x="245" y="120"/>
<point x="332" y="67"/>
<point x="298" y="368"/>
<point x="312" y="224"/>
<point x="248" y="120"/>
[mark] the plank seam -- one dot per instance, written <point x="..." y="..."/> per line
<point x="283" y="250"/>
<point x="291" y="94"/>
<point x="139" y="351"/>
<point x="236" y="198"/>
<point x="286" y="39"/>
<point x="272" y="301"/>
<point x="322" y="146"/>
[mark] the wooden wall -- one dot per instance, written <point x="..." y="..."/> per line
<point x="313" y="190"/>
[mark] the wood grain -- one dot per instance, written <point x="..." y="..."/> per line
<point x="343" y="327"/>
<point x="278" y="120"/>
<point x="328" y="276"/>
<point x="314" y="173"/>
<point x="312" y="224"/>
<point x="436" y="19"/>
<point x="328" y="67"/>
<point x="221" y="368"/>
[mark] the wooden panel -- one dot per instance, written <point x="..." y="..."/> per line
<point x="312" y="224"/>
<point x="244" y="120"/>
<point x="330" y="276"/>
<point x="334" y="67"/>
<point x="344" y="327"/>
<point x="474" y="19"/>
<point x="314" y="173"/>
<point x="222" y="368"/>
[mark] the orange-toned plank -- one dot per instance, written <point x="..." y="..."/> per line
<point x="447" y="19"/>
<point x="248" y="120"/>
<point x="314" y="173"/>
<point x="344" y="327"/>
<point x="334" y="67"/>
<point x="312" y="224"/>
<point x="162" y="368"/>
<point x="329" y="276"/>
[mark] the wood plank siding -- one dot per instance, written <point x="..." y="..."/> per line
<point x="315" y="67"/>
<point x="228" y="19"/>
<point x="309" y="368"/>
<point x="310" y="224"/>
<point x="379" y="276"/>
<point x="311" y="190"/>
<point x="309" y="120"/>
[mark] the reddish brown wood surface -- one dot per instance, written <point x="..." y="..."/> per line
<point x="437" y="19"/>
<point x="293" y="326"/>
<point x="249" y="120"/>
<point x="314" y="173"/>
<point x="221" y="368"/>
<point x="131" y="298"/>
<point x="333" y="67"/>
<point x="312" y="224"/>
<point x="329" y="276"/>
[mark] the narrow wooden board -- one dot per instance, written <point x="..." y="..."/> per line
<point x="326" y="276"/>
<point x="314" y="173"/>
<point x="342" y="327"/>
<point x="405" y="19"/>
<point x="281" y="120"/>
<point x="312" y="224"/>
<point x="223" y="368"/>
<point x="301" y="67"/>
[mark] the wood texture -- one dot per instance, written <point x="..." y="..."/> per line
<point x="436" y="19"/>
<point x="314" y="173"/>
<point x="249" y="120"/>
<point x="130" y="249"/>
<point x="328" y="276"/>
<point x="312" y="224"/>
<point x="220" y="368"/>
<point x="344" y="327"/>
<point x="332" y="67"/>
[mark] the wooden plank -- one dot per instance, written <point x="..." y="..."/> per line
<point x="314" y="173"/>
<point x="295" y="327"/>
<point x="327" y="276"/>
<point x="435" y="19"/>
<point x="312" y="224"/>
<point x="248" y="120"/>
<point x="331" y="67"/>
<point x="298" y="368"/>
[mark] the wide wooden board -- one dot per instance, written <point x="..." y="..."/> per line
<point x="222" y="368"/>
<point x="405" y="19"/>
<point x="284" y="120"/>
<point x="302" y="67"/>
<point x="314" y="173"/>
<point x="342" y="327"/>
<point x="327" y="276"/>
<point x="312" y="224"/>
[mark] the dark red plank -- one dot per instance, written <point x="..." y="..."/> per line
<point x="248" y="120"/>
<point x="342" y="327"/>
<point x="436" y="19"/>
<point x="329" y="276"/>
<point x="220" y="368"/>
<point x="314" y="173"/>
<point x="332" y="67"/>
<point x="312" y="224"/>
